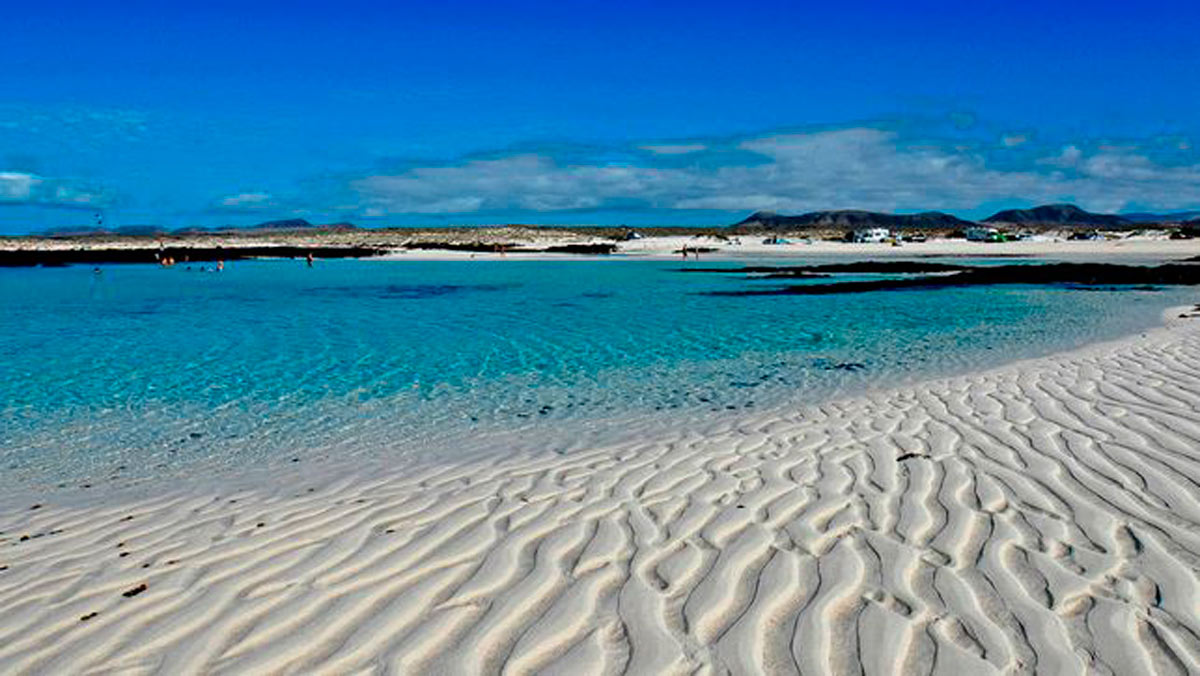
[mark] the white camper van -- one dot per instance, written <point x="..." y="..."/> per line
<point x="874" y="235"/>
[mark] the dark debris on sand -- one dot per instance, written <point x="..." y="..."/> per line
<point x="135" y="591"/>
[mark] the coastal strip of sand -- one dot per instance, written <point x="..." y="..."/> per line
<point x="1043" y="517"/>
<point x="527" y="243"/>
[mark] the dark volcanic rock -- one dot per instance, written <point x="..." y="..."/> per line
<point x="850" y="218"/>
<point x="756" y="270"/>
<point x="1080" y="274"/>
<point x="474" y="247"/>
<point x="863" y="267"/>
<point x="60" y="257"/>
<point x="1057" y="214"/>
<point x="594" y="249"/>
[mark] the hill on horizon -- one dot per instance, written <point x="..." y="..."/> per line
<point x="299" y="224"/>
<point x="150" y="230"/>
<point x="1057" y="214"/>
<point x="851" y="218"/>
<point x="1062" y="215"/>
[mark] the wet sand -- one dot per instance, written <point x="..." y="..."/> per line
<point x="1043" y="517"/>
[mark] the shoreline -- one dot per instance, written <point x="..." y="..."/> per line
<point x="321" y="464"/>
<point x="926" y="525"/>
<point x="517" y="243"/>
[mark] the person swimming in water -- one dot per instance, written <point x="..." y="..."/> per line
<point x="309" y="258"/>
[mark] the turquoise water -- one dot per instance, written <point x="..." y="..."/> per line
<point x="140" y="372"/>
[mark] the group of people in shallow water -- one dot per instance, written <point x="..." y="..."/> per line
<point x="169" y="261"/>
<point x="204" y="268"/>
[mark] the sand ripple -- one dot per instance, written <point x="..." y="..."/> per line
<point x="1042" y="518"/>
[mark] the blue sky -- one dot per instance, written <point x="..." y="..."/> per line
<point x="590" y="112"/>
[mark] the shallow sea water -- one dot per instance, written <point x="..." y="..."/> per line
<point x="140" y="373"/>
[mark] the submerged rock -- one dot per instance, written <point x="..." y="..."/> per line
<point x="1124" y="277"/>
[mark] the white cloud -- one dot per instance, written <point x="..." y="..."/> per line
<point x="1068" y="157"/>
<point x="31" y="189"/>
<point x="762" y="202"/>
<point x="17" y="187"/>
<point x="1014" y="140"/>
<point x="859" y="167"/>
<point x="247" y="200"/>
<point x="1113" y="178"/>
<point x="520" y="182"/>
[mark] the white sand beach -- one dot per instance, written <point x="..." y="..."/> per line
<point x="523" y="243"/>
<point x="1043" y="518"/>
<point x="1128" y="250"/>
<point x="1156" y="247"/>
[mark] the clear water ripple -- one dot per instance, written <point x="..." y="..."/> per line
<point x="139" y="373"/>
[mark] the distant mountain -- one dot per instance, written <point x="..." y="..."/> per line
<point x="300" y="224"/>
<point x="140" y="230"/>
<point x="153" y="230"/>
<point x="1173" y="217"/>
<point x="76" y="231"/>
<point x="850" y="218"/>
<point x="1057" y="214"/>
<point x="284" y="224"/>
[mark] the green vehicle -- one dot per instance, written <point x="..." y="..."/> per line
<point x="985" y="234"/>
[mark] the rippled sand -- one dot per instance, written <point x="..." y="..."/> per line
<point x="1043" y="517"/>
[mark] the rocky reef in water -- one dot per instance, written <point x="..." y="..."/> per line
<point x="1081" y="275"/>
<point x="189" y="254"/>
